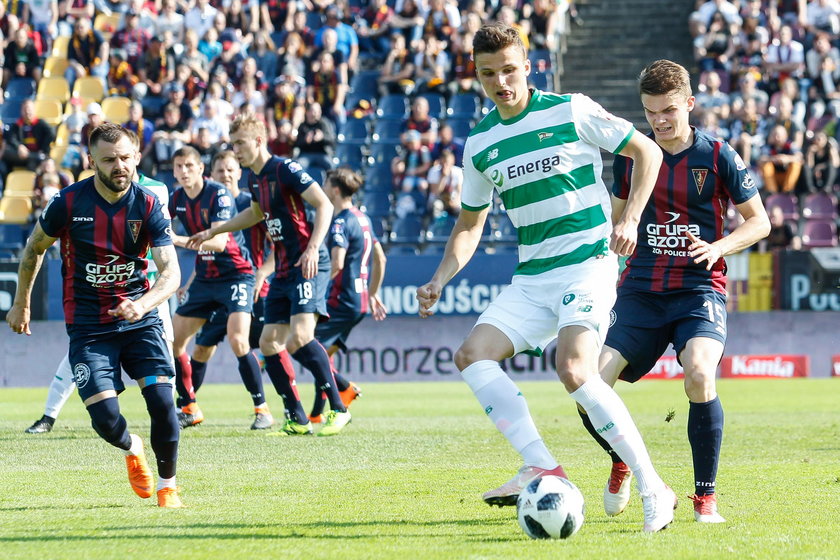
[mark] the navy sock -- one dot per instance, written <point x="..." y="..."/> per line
<point x="165" y="430"/>
<point x="340" y="381"/>
<point x="283" y="378"/>
<point x="320" y="402"/>
<point x="199" y="369"/>
<point x="314" y="358"/>
<point x="107" y="421"/>
<point x="705" y="433"/>
<point x="183" y="381"/>
<point x="587" y="423"/>
<point x="249" y="371"/>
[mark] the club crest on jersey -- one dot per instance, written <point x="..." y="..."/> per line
<point x="568" y="298"/>
<point x="497" y="178"/>
<point x="134" y="227"/>
<point x="544" y="135"/>
<point x="699" y="178"/>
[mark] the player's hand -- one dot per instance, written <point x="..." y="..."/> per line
<point x="181" y="294"/>
<point x="129" y="309"/>
<point x="623" y="238"/>
<point x="308" y="263"/>
<point x="377" y="308"/>
<point x="196" y="240"/>
<point x="702" y="251"/>
<point x="427" y="296"/>
<point x="18" y="319"/>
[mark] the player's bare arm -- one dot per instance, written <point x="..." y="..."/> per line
<point x="308" y="261"/>
<point x="756" y="226"/>
<point x="647" y="159"/>
<point x="30" y="263"/>
<point x="337" y="256"/>
<point x="377" y="274"/>
<point x="262" y="273"/>
<point x="181" y="293"/>
<point x="460" y="248"/>
<point x="168" y="280"/>
<point x="243" y="220"/>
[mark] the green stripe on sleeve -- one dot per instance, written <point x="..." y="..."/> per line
<point x="624" y="142"/>
<point x="474" y="208"/>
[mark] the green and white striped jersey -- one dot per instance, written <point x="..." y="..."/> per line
<point x="161" y="191"/>
<point x="546" y="165"/>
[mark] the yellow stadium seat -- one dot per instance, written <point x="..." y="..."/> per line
<point x="62" y="135"/>
<point x="115" y="109"/>
<point x="84" y="174"/>
<point x="49" y="111"/>
<point x="53" y="88"/>
<point x="55" y="66"/>
<point x="89" y="87"/>
<point x="15" y="209"/>
<point x="106" y="25"/>
<point x="59" y="47"/>
<point x="20" y="183"/>
<point x="57" y="153"/>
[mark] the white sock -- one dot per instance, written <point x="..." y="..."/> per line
<point x="61" y="388"/>
<point x="611" y="418"/>
<point x="136" y="446"/>
<point x="504" y="404"/>
<point x="166" y="483"/>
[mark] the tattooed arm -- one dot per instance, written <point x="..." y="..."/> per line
<point x="168" y="280"/>
<point x="33" y="256"/>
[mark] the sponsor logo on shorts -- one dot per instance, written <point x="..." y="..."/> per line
<point x="81" y="374"/>
<point x="613" y="317"/>
<point x="568" y="298"/>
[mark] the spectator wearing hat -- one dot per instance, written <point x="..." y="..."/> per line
<point x="155" y="70"/>
<point x="27" y="140"/>
<point x="132" y="38"/>
<point x="200" y="17"/>
<point x="21" y="58"/>
<point x="87" y="53"/>
<point x="176" y="95"/>
<point x="348" y="41"/>
<point x="95" y="117"/>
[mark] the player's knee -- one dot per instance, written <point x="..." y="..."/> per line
<point x="158" y="397"/>
<point x="106" y="420"/>
<point x="239" y="344"/>
<point x="699" y="385"/>
<point x="466" y="355"/>
<point x="202" y="353"/>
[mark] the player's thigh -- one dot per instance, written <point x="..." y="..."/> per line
<point x="518" y="314"/>
<point x="301" y="330"/>
<point x="698" y="314"/>
<point x="485" y="342"/>
<point x="145" y="357"/>
<point x="309" y="295"/>
<point x="238" y="327"/>
<point x="237" y="295"/>
<point x="201" y="301"/>
<point x="185" y="328"/>
<point x="610" y="364"/>
<point x="95" y="363"/>
<point x="213" y="331"/>
<point x="639" y="332"/>
<point x="578" y="347"/>
<point x="273" y="338"/>
<point x="583" y="296"/>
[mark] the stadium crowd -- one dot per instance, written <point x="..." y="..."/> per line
<point x="769" y="82"/>
<point x="385" y="87"/>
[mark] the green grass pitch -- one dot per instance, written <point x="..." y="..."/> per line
<point x="405" y="478"/>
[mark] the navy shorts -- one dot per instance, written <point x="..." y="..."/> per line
<point x="215" y="329"/>
<point x="294" y="295"/>
<point x="337" y="329"/>
<point x="644" y="323"/>
<point x="205" y="297"/>
<point x="97" y="358"/>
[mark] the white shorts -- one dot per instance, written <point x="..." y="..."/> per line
<point x="533" y="309"/>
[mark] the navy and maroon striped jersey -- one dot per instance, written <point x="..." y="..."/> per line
<point x="212" y="205"/>
<point x="692" y="193"/>
<point x="256" y="238"/>
<point x="277" y="189"/>
<point x="103" y="249"/>
<point x="351" y="230"/>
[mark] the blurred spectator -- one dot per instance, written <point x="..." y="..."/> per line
<point x="170" y="20"/>
<point x="48" y="186"/>
<point x="710" y="123"/>
<point x="94" y="119"/>
<point x="245" y="19"/>
<point x="711" y="99"/>
<point x="783" y="115"/>
<point x="747" y="90"/>
<point x="700" y="20"/>
<point x="143" y="128"/>
<point x="462" y="78"/>
<point x="748" y="56"/>
<point x="785" y="58"/>
<point x="283" y="106"/>
<point x="300" y="26"/>
<point x="822" y="16"/>
<point x="194" y="58"/>
<point x="373" y="28"/>
<point x="509" y="16"/>
<point x="132" y="38"/>
<point x="250" y="95"/>
<point x="264" y="54"/>
<point x="420" y="120"/>
<point x="277" y="15"/>
<point x="431" y="64"/>
<point x="71" y="10"/>
<point x="87" y="53"/>
<point x="410" y="169"/>
<point x="176" y="94"/>
<point x="28" y="140"/>
<point x="292" y="55"/>
<point x="169" y="136"/>
<point x="543" y="17"/>
<point x="250" y="71"/>
<point x="156" y="69"/>
<point x="780" y="162"/>
<point x="216" y="92"/>
<point x="822" y="158"/>
<point x="445" y="181"/>
<point x="398" y="70"/>
<point x="205" y="147"/>
<point x="782" y="235"/>
<point x="329" y="44"/>
<point x="316" y="140"/>
<point x="441" y="20"/>
<point x="348" y="41"/>
<point x="714" y="49"/>
<point x="789" y="88"/>
<point x="447" y="141"/>
<point x="282" y="142"/>
<point x="121" y="76"/>
<point x="230" y="60"/>
<point x="748" y="131"/>
<point x="42" y="17"/>
<point x="216" y="124"/>
<point x="200" y="17"/>
<point x="21" y="58"/>
<point x="408" y="20"/>
<point x="326" y="87"/>
<point x="823" y="66"/>
<point x="209" y="45"/>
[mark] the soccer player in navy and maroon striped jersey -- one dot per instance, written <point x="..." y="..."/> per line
<point x="355" y="277"/>
<point x="296" y="299"/>
<point x="223" y="280"/>
<point x="673" y="290"/>
<point x="106" y="224"/>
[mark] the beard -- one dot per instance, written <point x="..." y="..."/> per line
<point x="110" y="184"/>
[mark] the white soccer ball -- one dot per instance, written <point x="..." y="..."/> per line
<point x="550" y="507"/>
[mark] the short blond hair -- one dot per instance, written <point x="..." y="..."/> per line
<point x="248" y="122"/>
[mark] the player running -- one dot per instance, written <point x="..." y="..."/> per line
<point x="355" y="277"/>
<point x="296" y="298"/>
<point x="223" y="279"/>
<point x="106" y="225"/>
<point x="673" y="290"/>
<point x="541" y="153"/>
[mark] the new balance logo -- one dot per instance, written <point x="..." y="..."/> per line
<point x="492" y="154"/>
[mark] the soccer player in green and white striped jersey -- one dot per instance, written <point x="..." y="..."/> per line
<point x="541" y="153"/>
